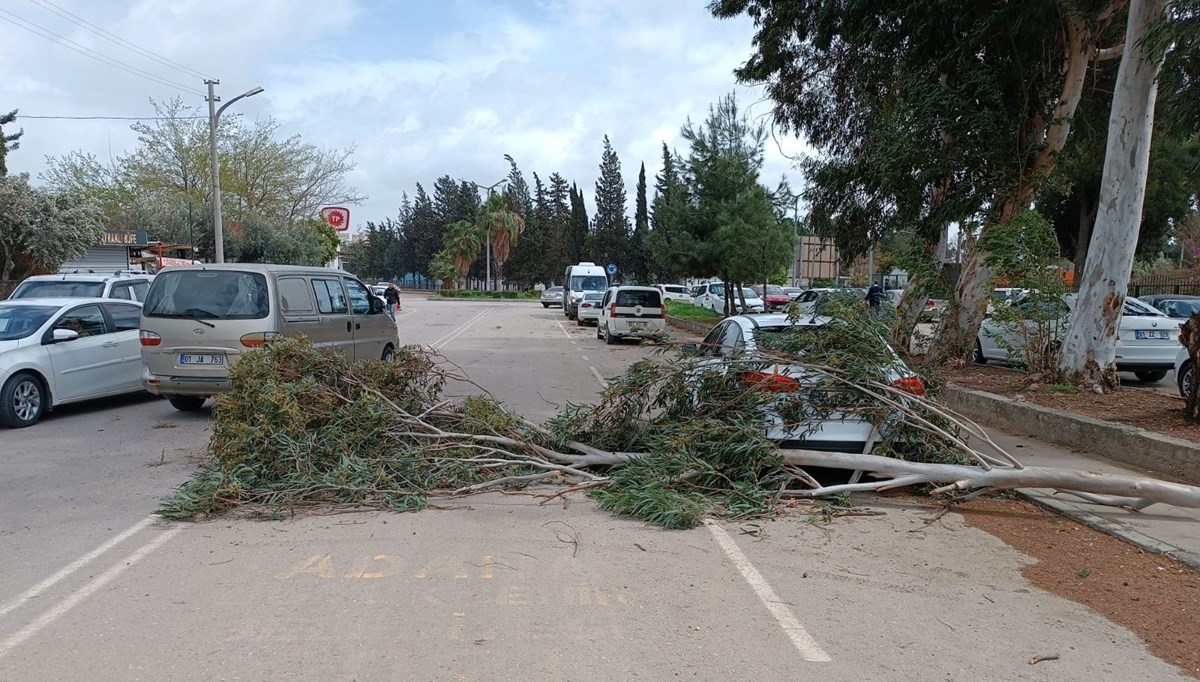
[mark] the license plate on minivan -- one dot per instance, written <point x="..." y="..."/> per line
<point x="1152" y="334"/>
<point x="190" y="359"/>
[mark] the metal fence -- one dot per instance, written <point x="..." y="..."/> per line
<point x="1164" y="285"/>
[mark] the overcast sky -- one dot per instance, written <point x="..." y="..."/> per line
<point x="422" y="88"/>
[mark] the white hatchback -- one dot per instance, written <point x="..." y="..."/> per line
<point x="589" y="309"/>
<point x="675" y="292"/>
<point x="635" y="312"/>
<point x="55" y="351"/>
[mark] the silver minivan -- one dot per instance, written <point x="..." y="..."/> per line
<point x="198" y="319"/>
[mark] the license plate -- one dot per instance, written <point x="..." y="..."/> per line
<point x="637" y="325"/>
<point x="1152" y="334"/>
<point x="186" y="359"/>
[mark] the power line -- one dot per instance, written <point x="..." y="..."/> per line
<point x="87" y="52"/>
<point x="113" y="118"/>
<point x="116" y="39"/>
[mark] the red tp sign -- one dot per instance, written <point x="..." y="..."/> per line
<point x="338" y="217"/>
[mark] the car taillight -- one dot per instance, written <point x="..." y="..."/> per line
<point x="149" y="338"/>
<point x="258" y="339"/>
<point x="585" y="305"/>
<point x="912" y="385"/>
<point x="612" y="310"/>
<point x="770" y="381"/>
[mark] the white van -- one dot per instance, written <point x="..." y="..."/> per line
<point x="198" y="319"/>
<point x="634" y="312"/>
<point x="579" y="279"/>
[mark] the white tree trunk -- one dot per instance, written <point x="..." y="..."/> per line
<point x="1090" y="346"/>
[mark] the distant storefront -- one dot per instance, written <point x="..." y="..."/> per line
<point x="111" y="254"/>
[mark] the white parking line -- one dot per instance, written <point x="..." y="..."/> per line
<point x="70" y="568"/>
<point x="442" y="342"/>
<point x="585" y="358"/>
<point x="564" y="329"/>
<point x="805" y="644"/>
<point x="603" y="383"/>
<point x="19" y="638"/>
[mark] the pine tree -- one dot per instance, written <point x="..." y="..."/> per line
<point x="639" y="264"/>
<point x="9" y="141"/>
<point x="611" y="223"/>
<point x="579" y="238"/>
<point x="528" y="263"/>
<point x="560" y="204"/>
<point x="426" y="230"/>
<point x="666" y="212"/>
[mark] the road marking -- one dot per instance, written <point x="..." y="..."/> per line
<point x="74" y="566"/>
<point x="805" y="644"/>
<point x="442" y="342"/>
<point x="585" y="358"/>
<point x="603" y="383"/>
<point x="84" y="592"/>
<point x="564" y="330"/>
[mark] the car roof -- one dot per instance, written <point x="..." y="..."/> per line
<point x="63" y="301"/>
<point x="753" y="322"/>
<point x="631" y="287"/>
<point x="1169" y="297"/>
<point x="86" y="277"/>
<point x="259" y="267"/>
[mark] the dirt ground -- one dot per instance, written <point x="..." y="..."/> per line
<point x="1140" y="408"/>
<point x="1152" y="595"/>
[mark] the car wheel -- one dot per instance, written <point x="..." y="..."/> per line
<point x="977" y="354"/>
<point x="598" y="335"/>
<point x="609" y="338"/>
<point x="22" y="401"/>
<point x="1151" y="376"/>
<point x="389" y="353"/>
<point x="579" y="321"/>
<point x="187" y="403"/>
<point x="1184" y="378"/>
<point x="545" y="305"/>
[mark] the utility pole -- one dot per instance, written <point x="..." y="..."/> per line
<point x="487" y="285"/>
<point x="214" y="118"/>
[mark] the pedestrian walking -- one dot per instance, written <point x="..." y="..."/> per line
<point x="875" y="295"/>
<point x="392" y="296"/>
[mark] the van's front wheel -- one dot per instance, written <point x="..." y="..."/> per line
<point x="187" y="403"/>
<point x="389" y="353"/>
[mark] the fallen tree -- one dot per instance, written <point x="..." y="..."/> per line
<point x="671" y="441"/>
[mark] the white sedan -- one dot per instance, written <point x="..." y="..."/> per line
<point x="55" y="351"/>
<point x="1147" y="339"/>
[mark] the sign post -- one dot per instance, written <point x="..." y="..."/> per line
<point x="612" y="269"/>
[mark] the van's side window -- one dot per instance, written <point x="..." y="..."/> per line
<point x="294" y="297"/>
<point x="330" y="299"/>
<point x="360" y="298"/>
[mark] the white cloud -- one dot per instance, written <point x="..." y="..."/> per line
<point x="421" y="90"/>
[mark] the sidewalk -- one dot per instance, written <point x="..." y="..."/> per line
<point x="1159" y="528"/>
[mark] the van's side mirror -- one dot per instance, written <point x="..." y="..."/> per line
<point x="63" y="335"/>
<point x="376" y="305"/>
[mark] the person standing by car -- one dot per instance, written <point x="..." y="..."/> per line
<point x="392" y="297"/>
<point x="875" y="295"/>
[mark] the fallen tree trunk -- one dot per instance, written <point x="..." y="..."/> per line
<point x="964" y="478"/>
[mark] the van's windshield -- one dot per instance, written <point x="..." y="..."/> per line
<point x="588" y="283"/>
<point x="208" y="295"/>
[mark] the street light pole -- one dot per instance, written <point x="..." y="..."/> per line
<point x="487" y="285"/>
<point x="214" y="118"/>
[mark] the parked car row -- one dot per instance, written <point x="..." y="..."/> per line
<point x="180" y="339"/>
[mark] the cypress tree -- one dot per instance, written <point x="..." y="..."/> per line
<point x="611" y="223"/>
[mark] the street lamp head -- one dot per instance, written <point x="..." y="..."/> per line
<point x="251" y="93"/>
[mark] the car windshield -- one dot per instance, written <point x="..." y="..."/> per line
<point x="634" y="298"/>
<point x="1138" y="309"/>
<point x="1181" y="308"/>
<point x="20" y="321"/>
<point x="553" y="290"/>
<point x="588" y="283"/>
<point x="750" y="293"/>
<point x="59" y="288"/>
<point x="773" y="290"/>
<point x="209" y="295"/>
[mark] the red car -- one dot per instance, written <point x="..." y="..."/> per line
<point x="774" y="297"/>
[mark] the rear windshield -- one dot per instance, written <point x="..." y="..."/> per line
<point x="208" y="295"/>
<point x="20" y="321"/>
<point x="591" y="296"/>
<point x="773" y="290"/>
<point x="59" y="289"/>
<point x="633" y="299"/>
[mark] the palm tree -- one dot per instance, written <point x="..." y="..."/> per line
<point x="502" y="226"/>
<point x="463" y="242"/>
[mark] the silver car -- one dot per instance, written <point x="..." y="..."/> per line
<point x="552" y="296"/>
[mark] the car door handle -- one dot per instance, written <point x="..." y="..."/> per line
<point x="347" y="325"/>
<point x="110" y="344"/>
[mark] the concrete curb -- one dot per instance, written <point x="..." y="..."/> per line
<point x="480" y="299"/>
<point x="690" y="326"/>
<point x="1115" y="529"/>
<point x="1118" y="442"/>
